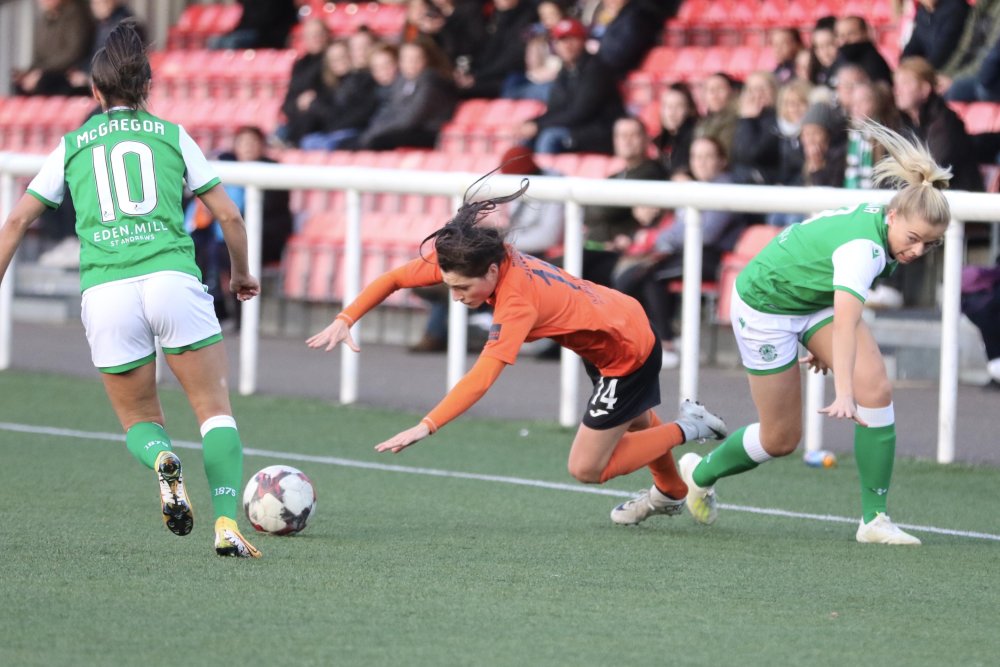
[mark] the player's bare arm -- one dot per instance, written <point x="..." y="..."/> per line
<point x="223" y="209"/>
<point x="846" y="317"/>
<point x="25" y="212"/>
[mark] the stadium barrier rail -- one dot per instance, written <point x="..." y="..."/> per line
<point x="574" y="192"/>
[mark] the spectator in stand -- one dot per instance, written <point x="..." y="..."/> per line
<point x="541" y="67"/>
<point x="384" y="69"/>
<point x="720" y="95"/>
<point x="981" y="32"/>
<point x="583" y="103"/>
<point x="500" y="54"/>
<point x="793" y="102"/>
<point x="311" y="108"/>
<point x="360" y="44"/>
<point x="823" y="160"/>
<point x="305" y="81"/>
<point x="933" y="122"/>
<point x="849" y="77"/>
<point x="678" y="119"/>
<point x="610" y="229"/>
<point x="855" y="46"/>
<point x="874" y="101"/>
<point x="647" y="278"/>
<point x="64" y="33"/>
<point x="264" y="24"/>
<point x="937" y="27"/>
<point x="551" y="12"/>
<point x="633" y="29"/>
<point x="457" y="27"/>
<point x="824" y="52"/>
<point x="211" y="254"/>
<point x="107" y="15"/>
<point x="785" y="45"/>
<point x="984" y="86"/>
<point x="420" y="101"/>
<point x="802" y="65"/>
<point x="346" y="109"/>
<point x="756" y="153"/>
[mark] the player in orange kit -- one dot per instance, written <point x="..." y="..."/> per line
<point x="533" y="299"/>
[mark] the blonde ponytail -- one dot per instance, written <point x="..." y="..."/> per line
<point x="910" y="167"/>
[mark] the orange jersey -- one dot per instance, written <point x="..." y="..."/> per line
<point x="535" y="299"/>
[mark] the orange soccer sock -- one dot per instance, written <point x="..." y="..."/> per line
<point x="649" y="447"/>
<point x="664" y="469"/>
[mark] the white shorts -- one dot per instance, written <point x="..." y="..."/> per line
<point x="769" y="343"/>
<point x="122" y="318"/>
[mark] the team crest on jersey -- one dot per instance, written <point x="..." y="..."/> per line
<point x="768" y="353"/>
<point x="494" y="332"/>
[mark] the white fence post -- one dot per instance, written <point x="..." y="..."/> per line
<point x="950" y="313"/>
<point x="350" y="363"/>
<point x="253" y="215"/>
<point x="569" y="362"/>
<point x="815" y="390"/>
<point x="691" y="306"/>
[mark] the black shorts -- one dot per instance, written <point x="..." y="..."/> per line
<point x="618" y="400"/>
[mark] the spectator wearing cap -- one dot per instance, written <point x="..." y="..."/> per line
<point x="583" y="103"/>
<point x="823" y="160"/>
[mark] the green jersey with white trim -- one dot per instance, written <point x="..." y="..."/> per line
<point x="126" y="171"/>
<point x="800" y="269"/>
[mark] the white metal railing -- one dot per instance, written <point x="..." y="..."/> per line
<point x="574" y="192"/>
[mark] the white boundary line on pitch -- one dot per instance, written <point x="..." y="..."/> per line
<point x="434" y="472"/>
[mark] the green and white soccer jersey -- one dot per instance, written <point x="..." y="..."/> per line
<point x="785" y="294"/>
<point x="798" y="272"/>
<point x="125" y="170"/>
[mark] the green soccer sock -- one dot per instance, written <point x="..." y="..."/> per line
<point x="874" y="451"/>
<point x="729" y="458"/>
<point x="145" y="441"/>
<point x="223" y="453"/>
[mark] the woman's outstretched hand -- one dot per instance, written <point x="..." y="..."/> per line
<point x="328" y="338"/>
<point x="401" y="441"/>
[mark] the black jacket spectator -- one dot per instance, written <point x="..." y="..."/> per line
<point x="756" y="152"/>
<point x="586" y="100"/>
<point x="936" y="33"/>
<point x="865" y="55"/>
<point x="675" y="147"/>
<point x="353" y="103"/>
<point x="501" y="52"/>
<point x="632" y="33"/>
<point x="944" y="132"/>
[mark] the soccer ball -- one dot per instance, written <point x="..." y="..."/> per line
<point x="279" y="500"/>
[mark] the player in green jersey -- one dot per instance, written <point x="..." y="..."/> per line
<point x="809" y="285"/>
<point x="126" y="171"/>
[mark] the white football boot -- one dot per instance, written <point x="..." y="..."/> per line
<point x="881" y="530"/>
<point x="698" y="424"/>
<point x="649" y="502"/>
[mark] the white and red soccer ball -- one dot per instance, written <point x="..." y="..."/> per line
<point x="279" y="500"/>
